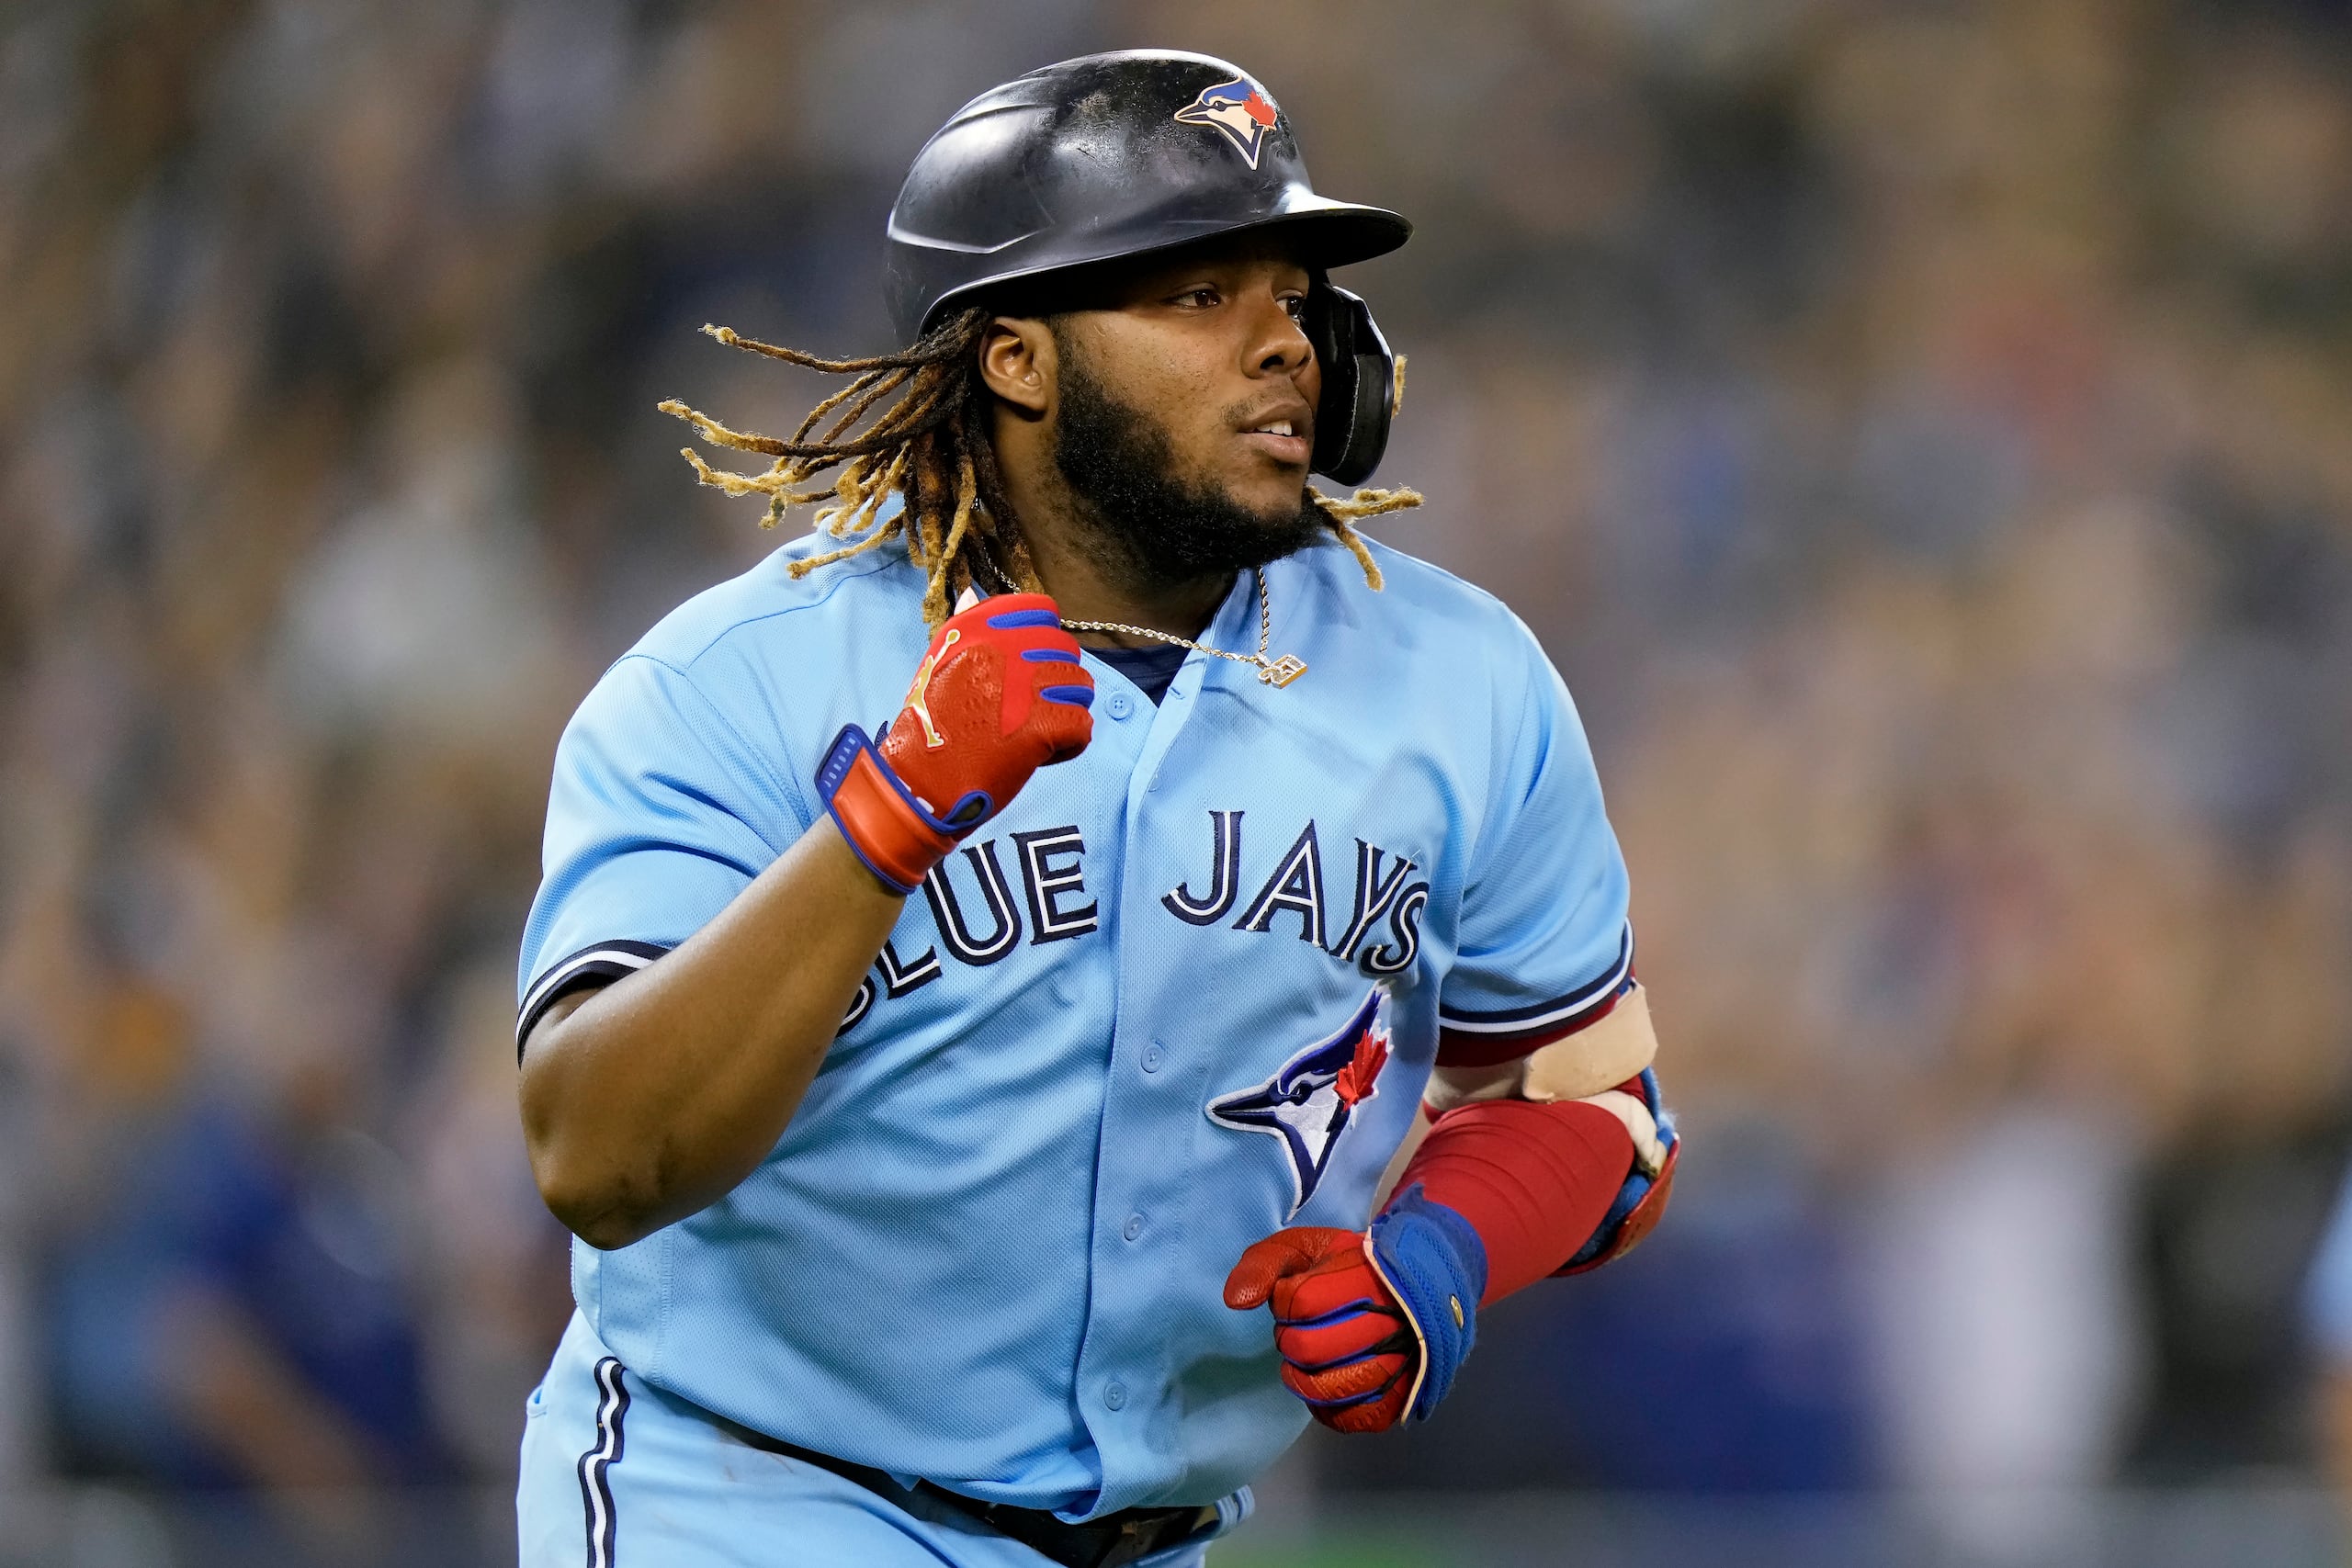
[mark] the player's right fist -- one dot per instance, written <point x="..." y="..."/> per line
<point x="1370" y="1325"/>
<point x="999" y="694"/>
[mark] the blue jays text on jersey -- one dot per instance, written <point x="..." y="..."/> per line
<point x="1185" y="989"/>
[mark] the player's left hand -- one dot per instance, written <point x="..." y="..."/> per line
<point x="1372" y="1327"/>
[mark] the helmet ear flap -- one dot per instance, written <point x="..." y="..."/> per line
<point x="1359" y="384"/>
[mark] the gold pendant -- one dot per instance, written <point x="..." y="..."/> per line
<point x="1283" y="671"/>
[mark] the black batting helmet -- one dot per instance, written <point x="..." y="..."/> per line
<point x="1110" y="156"/>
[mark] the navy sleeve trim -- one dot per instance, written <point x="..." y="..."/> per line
<point x="600" y="962"/>
<point x="1593" y="996"/>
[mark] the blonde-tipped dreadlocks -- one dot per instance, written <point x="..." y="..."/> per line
<point x="931" y="446"/>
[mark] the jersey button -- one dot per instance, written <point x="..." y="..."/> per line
<point x="1119" y="705"/>
<point x="1116" y="1395"/>
<point x="1133" y="1228"/>
<point x="1153" y="1058"/>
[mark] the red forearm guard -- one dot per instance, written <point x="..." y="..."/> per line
<point x="1534" y="1181"/>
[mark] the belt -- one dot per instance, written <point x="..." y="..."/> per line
<point x="1114" y="1540"/>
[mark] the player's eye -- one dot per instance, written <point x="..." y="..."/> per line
<point x="1296" y="305"/>
<point x="1200" y="299"/>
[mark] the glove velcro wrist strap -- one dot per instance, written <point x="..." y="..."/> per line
<point x="881" y="819"/>
<point x="1434" y="1264"/>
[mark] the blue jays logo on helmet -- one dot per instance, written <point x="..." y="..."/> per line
<point x="1241" y="108"/>
<point x="1310" y="1100"/>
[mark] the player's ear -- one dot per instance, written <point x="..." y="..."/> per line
<point x="1018" y="362"/>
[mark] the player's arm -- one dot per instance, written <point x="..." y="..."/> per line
<point x="1552" y="1163"/>
<point x="651" y="1098"/>
<point x="1526" y="1147"/>
<point x="1546" y="1149"/>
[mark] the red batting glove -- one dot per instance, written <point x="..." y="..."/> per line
<point x="1000" y="694"/>
<point x="1345" y="1346"/>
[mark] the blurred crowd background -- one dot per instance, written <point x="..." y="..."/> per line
<point x="1921" y="431"/>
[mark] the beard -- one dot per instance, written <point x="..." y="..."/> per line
<point x="1139" y="518"/>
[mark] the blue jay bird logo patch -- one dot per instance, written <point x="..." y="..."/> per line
<point x="1311" y="1099"/>
<point x="1239" y="108"/>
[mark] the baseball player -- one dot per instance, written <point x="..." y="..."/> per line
<point x="992" y="1133"/>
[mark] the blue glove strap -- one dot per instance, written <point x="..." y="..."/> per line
<point x="1434" y="1263"/>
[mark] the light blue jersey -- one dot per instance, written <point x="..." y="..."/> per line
<point x="1183" y="991"/>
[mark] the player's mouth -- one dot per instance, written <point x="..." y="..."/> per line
<point x="1286" y="435"/>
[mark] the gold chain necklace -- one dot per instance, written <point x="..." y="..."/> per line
<point x="1273" y="672"/>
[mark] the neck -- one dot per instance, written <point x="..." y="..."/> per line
<point x="1086" y="580"/>
<point x="1087" y="588"/>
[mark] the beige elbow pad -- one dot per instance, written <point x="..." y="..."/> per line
<point x="1588" y="1066"/>
<point x="1596" y="1058"/>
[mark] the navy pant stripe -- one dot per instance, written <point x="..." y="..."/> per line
<point x="596" y="1482"/>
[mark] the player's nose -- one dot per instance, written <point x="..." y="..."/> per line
<point x="1278" y="344"/>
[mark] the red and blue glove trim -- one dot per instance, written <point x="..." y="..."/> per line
<point x="881" y="819"/>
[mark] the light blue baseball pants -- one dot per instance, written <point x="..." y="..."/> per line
<point x="618" y="1473"/>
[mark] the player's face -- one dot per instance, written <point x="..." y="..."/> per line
<point x="1208" y="348"/>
